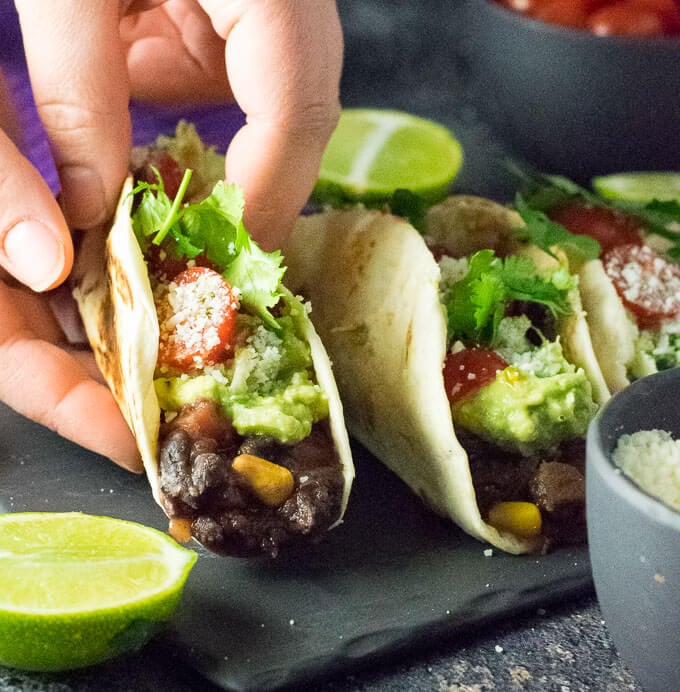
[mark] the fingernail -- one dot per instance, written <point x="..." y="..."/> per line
<point x="82" y="195"/>
<point x="34" y="254"/>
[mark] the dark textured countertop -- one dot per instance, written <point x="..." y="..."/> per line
<point x="561" y="648"/>
<point x="410" y="54"/>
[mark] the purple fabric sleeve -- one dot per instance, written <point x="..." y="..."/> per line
<point x="216" y="124"/>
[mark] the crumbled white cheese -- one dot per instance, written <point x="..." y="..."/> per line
<point x="651" y="458"/>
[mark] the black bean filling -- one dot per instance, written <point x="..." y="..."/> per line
<point x="199" y="484"/>
<point x="556" y="485"/>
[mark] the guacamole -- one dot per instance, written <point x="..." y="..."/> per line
<point x="265" y="389"/>
<point x="524" y="413"/>
<point x="655" y="350"/>
<point x="539" y="399"/>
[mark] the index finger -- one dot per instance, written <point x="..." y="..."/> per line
<point x="79" y="78"/>
<point x="284" y="61"/>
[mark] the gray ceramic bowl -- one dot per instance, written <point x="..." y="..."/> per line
<point x="570" y="102"/>
<point x="634" y="540"/>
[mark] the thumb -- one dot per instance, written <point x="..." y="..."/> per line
<point x="35" y="243"/>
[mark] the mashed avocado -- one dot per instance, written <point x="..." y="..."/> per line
<point x="540" y="399"/>
<point x="524" y="413"/>
<point x="266" y="389"/>
<point x="534" y="404"/>
<point x="656" y="350"/>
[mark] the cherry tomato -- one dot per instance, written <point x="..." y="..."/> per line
<point x="648" y="285"/>
<point x="669" y="10"/>
<point x="165" y="266"/>
<point x="605" y="17"/>
<point x="467" y="371"/>
<point x="197" y="318"/>
<point x="608" y="227"/>
<point x="627" y="19"/>
<point x="521" y="5"/>
<point x="573" y="13"/>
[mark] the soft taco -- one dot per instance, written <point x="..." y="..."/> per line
<point x="631" y="288"/>
<point x="214" y="363"/>
<point x="463" y="360"/>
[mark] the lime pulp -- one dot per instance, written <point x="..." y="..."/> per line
<point x="79" y="589"/>
<point x="373" y="152"/>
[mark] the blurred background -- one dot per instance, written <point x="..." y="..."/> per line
<point x="566" y="100"/>
<point x="412" y="55"/>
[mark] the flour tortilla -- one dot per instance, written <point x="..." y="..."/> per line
<point x="374" y="283"/>
<point x="613" y="331"/>
<point x="113" y="292"/>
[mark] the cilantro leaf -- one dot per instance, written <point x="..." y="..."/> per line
<point x="661" y="217"/>
<point x="212" y="227"/>
<point x="410" y="206"/>
<point x="258" y="274"/>
<point x="477" y="303"/>
<point x="151" y="211"/>
<point x="543" y="192"/>
<point x="546" y="234"/>
<point x="461" y="305"/>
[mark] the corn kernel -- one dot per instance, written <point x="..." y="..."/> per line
<point x="520" y="518"/>
<point x="511" y="374"/>
<point x="273" y="484"/>
<point x="180" y="530"/>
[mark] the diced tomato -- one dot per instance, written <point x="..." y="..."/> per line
<point x="203" y="419"/>
<point x="648" y="285"/>
<point x="197" y="317"/>
<point x="467" y="371"/>
<point x="608" y="227"/>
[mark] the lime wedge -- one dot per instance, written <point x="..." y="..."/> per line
<point x="374" y="152"/>
<point x="78" y="589"/>
<point x="639" y="186"/>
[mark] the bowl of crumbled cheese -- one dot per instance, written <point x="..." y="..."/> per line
<point x="633" y="515"/>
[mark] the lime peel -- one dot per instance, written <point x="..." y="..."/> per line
<point x="57" y="615"/>
<point x="639" y="186"/>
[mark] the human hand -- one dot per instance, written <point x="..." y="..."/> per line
<point x="282" y="66"/>
<point x="41" y="375"/>
<point x="279" y="60"/>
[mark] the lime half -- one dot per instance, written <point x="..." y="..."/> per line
<point x="639" y="186"/>
<point x="78" y="589"/>
<point x="374" y="152"/>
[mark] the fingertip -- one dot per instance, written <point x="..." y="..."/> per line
<point x="35" y="241"/>
<point x="130" y="463"/>
<point x="36" y="254"/>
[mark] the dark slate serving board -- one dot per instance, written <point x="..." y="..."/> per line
<point x="392" y="576"/>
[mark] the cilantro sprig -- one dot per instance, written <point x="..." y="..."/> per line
<point x="477" y="303"/>
<point x="212" y="227"/>
<point x="546" y="234"/>
<point x="543" y="192"/>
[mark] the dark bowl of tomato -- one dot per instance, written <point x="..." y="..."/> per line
<point x="577" y="100"/>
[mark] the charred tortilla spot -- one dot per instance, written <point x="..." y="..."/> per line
<point x="120" y="283"/>
<point x="409" y="341"/>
